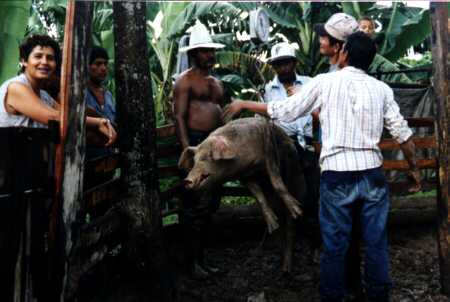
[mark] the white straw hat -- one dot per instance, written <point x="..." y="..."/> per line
<point x="200" y="38"/>
<point x="281" y="51"/>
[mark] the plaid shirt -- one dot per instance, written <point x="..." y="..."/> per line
<point x="354" y="107"/>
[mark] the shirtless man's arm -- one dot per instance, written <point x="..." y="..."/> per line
<point x="181" y="110"/>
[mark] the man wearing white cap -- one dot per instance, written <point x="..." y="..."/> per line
<point x="198" y="98"/>
<point x="333" y="34"/>
<point x="286" y="83"/>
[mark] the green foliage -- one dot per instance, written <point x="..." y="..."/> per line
<point x="407" y="27"/>
<point x="239" y="71"/>
<point x="13" y="22"/>
<point x="48" y="17"/>
<point x="431" y="193"/>
<point x="381" y="64"/>
<point x="426" y="60"/>
<point x="356" y="9"/>
<point x="240" y="67"/>
<point x="237" y="201"/>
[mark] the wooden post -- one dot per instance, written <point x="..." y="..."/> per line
<point x="70" y="152"/>
<point x="137" y="141"/>
<point x="439" y="42"/>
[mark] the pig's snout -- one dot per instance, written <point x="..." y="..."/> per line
<point x="194" y="183"/>
<point x="188" y="184"/>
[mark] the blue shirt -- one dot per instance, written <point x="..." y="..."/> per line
<point x="301" y="127"/>
<point x="109" y="109"/>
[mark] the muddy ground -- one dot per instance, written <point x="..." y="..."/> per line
<point x="252" y="274"/>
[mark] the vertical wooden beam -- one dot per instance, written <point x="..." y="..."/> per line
<point x="439" y="42"/>
<point x="137" y="141"/>
<point x="70" y="154"/>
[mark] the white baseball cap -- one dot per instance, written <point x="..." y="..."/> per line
<point x="339" y="26"/>
<point x="200" y="38"/>
<point x="281" y="51"/>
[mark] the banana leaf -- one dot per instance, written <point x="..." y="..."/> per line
<point x="381" y="64"/>
<point x="13" y="23"/>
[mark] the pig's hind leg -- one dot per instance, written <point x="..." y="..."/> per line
<point x="291" y="203"/>
<point x="268" y="214"/>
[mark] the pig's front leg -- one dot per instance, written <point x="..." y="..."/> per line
<point x="280" y="188"/>
<point x="268" y="214"/>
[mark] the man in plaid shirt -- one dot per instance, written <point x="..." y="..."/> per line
<point x="354" y="108"/>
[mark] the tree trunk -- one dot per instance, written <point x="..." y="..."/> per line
<point x="137" y="142"/>
<point x="65" y="226"/>
<point x="439" y="49"/>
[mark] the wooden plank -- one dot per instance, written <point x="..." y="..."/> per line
<point x="168" y="171"/>
<point x="168" y="151"/>
<point x="57" y="242"/>
<point x="420" y="121"/>
<point x="420" y="142"/>
<point x="165" y="131"/>
<point x="401" y="188"/>
<point x="103" y="195"/>
<point x="235" y="191"/>
<point x="173" y="191"/>
<point x="439" y="50"/>
<point x="402" y="165"/>
<point x="103" y="165"/>
<point x="77" y="42"/>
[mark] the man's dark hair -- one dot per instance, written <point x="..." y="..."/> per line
<point x="334" y="41"/>
<point x="31" y="42"/>
<point x="361" y="50"/>
<point x="97" y="52"/>
<point x="320" y="30"/>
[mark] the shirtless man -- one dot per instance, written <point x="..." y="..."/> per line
<point x="198" y="98"/>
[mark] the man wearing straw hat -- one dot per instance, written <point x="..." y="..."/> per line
<point x="286" y="83"/>
<point x="198" y="98"/>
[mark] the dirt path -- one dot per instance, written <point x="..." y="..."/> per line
<point x="250" y="273"/>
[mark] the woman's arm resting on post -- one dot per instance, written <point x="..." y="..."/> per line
<point x="21" y="99"/>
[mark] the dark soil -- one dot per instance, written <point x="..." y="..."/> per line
<point x="251" y="273"/>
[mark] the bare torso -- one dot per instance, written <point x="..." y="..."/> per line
<point x="205" y="97"/>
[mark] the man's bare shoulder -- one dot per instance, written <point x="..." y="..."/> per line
<point x="215" y="80"/>
<point x="184" y="79"/>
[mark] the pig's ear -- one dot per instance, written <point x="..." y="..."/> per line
<point x="186" y="161"/>
<point x="222" y="149"/>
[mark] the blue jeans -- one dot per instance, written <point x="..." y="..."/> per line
<point x="339" y="192"/>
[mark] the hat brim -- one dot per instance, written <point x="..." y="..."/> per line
<point x="319" y="28"/>
<point x="204" y="45"/>
<point x="272" y="60"/>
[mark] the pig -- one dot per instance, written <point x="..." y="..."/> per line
<point x="259" y="154"/>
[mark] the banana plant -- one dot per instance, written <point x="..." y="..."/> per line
<point x="242" y="75"/>
<point x="402" y="28"/>
<point x="11" y="34"/>
<point x="177" y="18"/>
